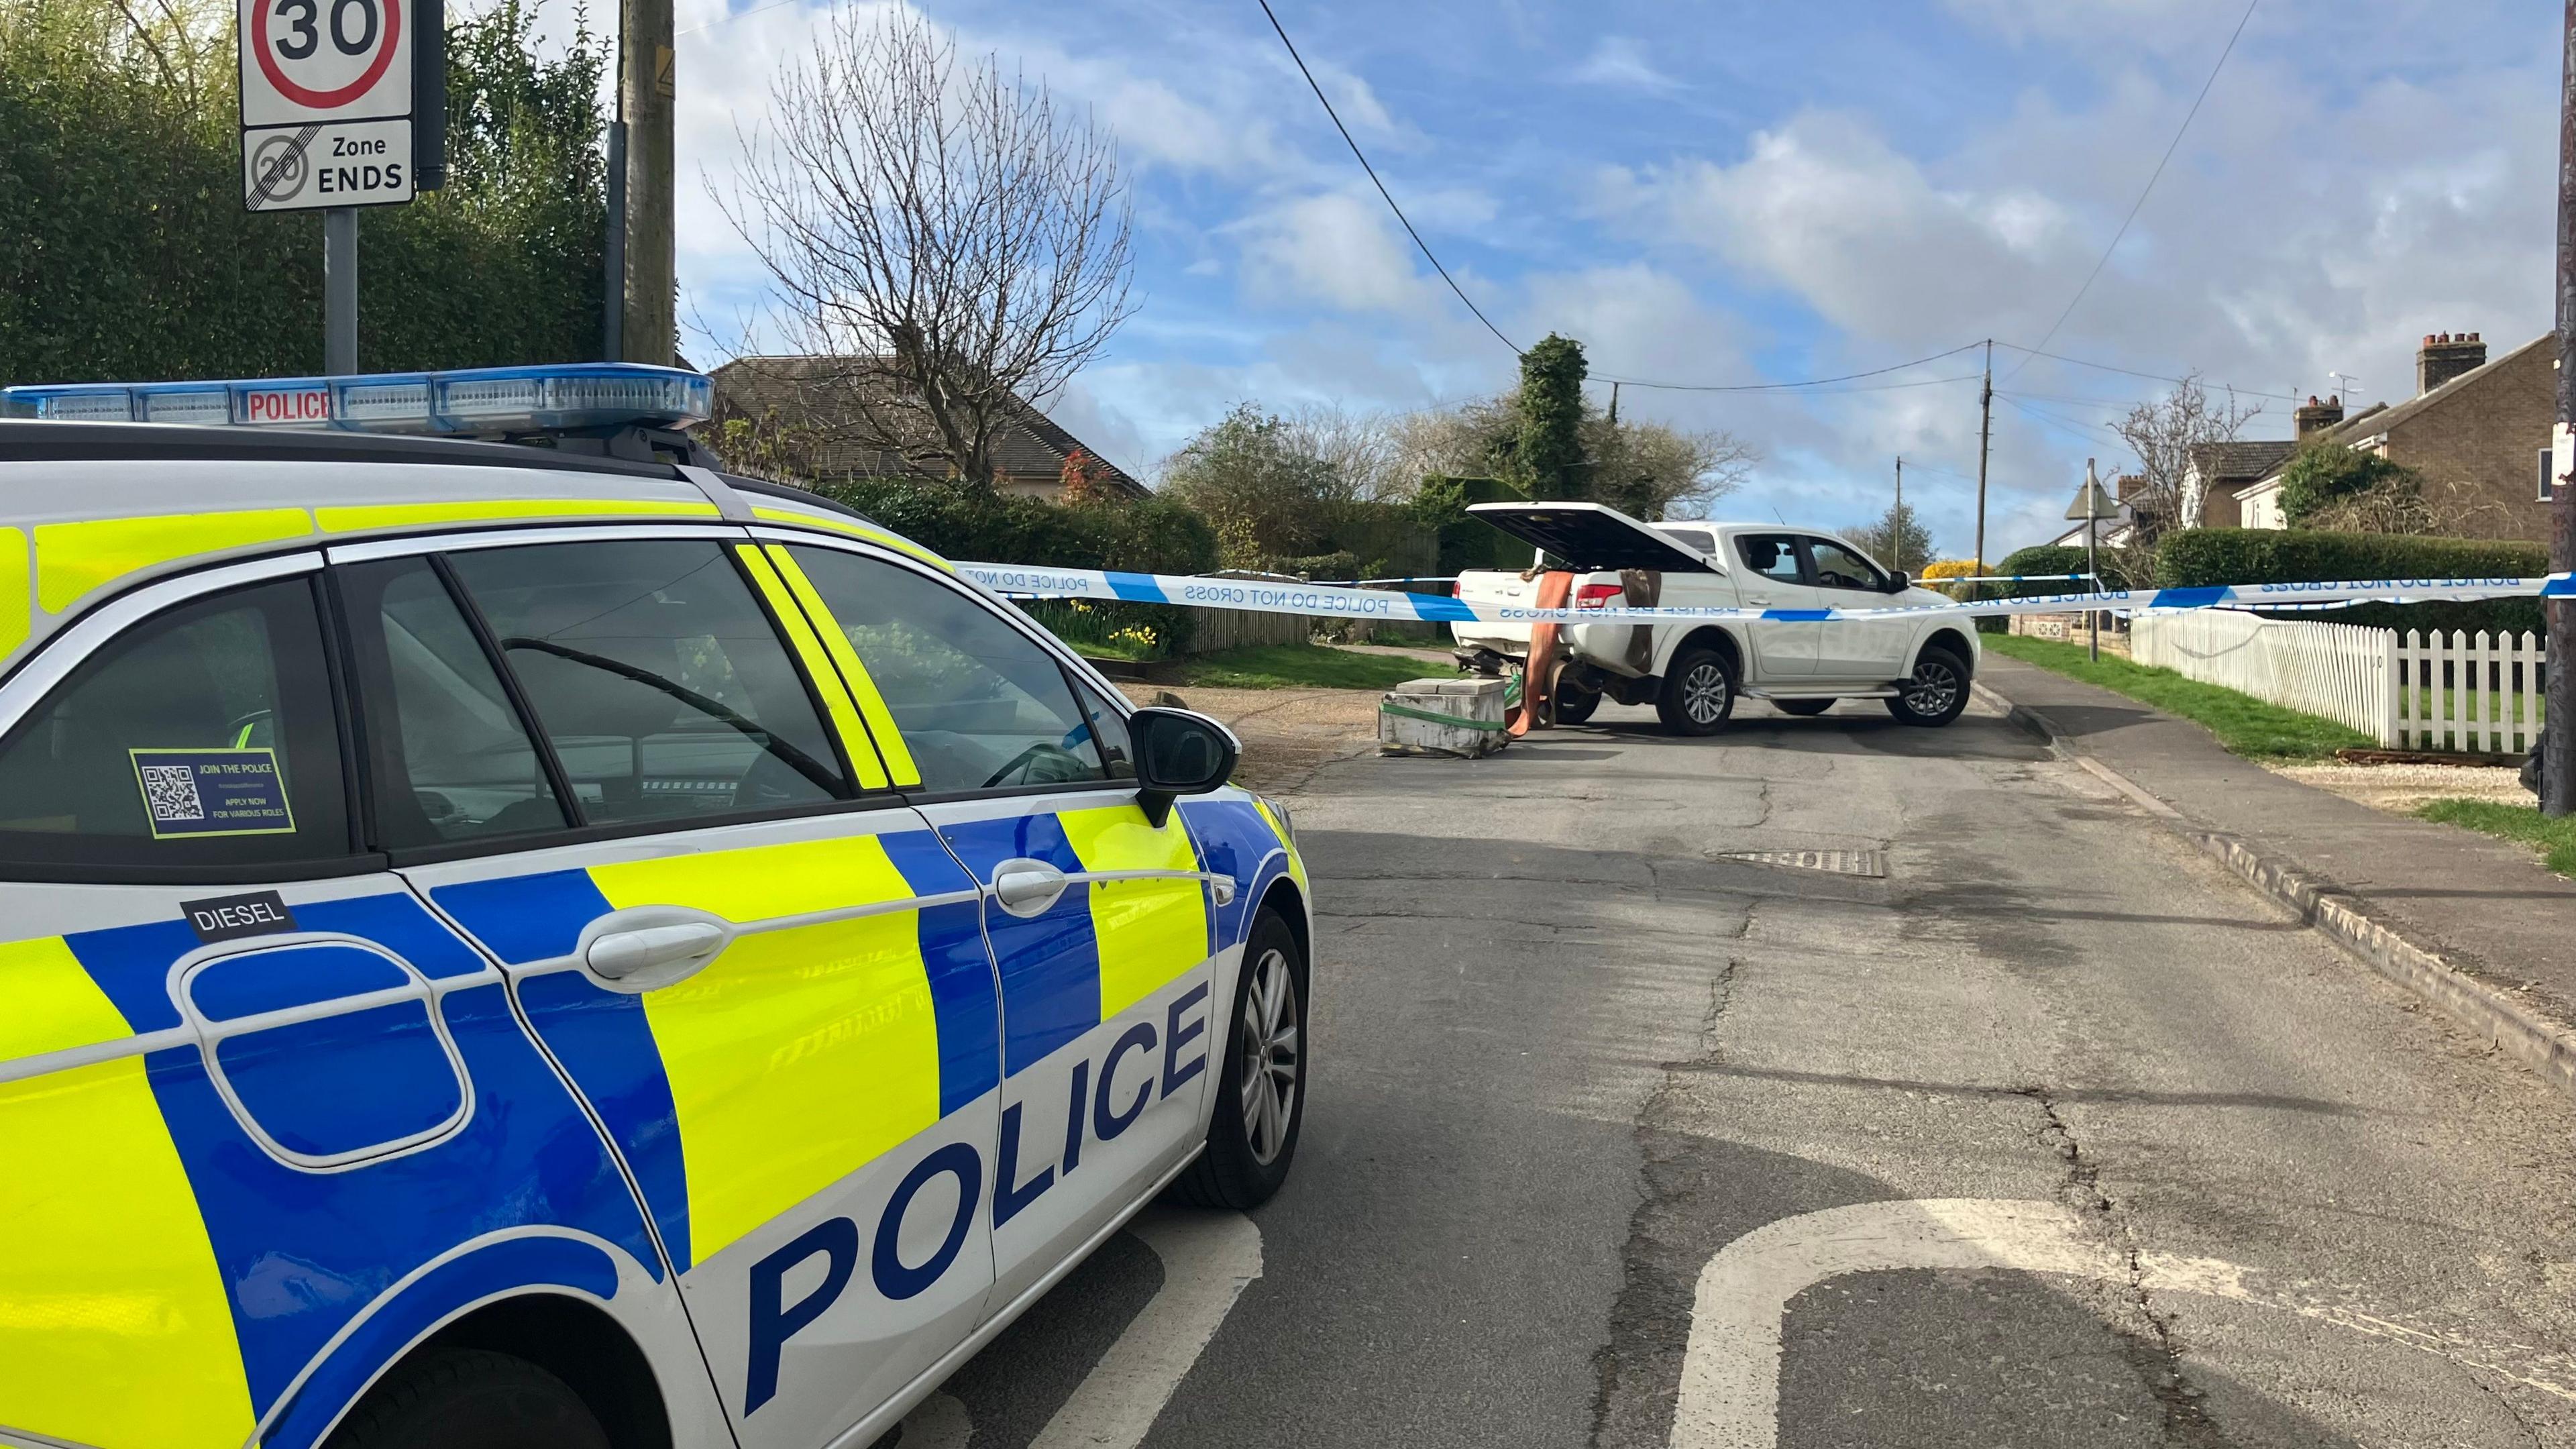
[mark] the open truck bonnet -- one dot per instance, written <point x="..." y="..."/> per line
<point x="1589" y="538"/>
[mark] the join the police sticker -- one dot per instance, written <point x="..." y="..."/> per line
<point x="212" y="792"/>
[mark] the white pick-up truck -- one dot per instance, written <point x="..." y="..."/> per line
<point x="1692" y="670"/>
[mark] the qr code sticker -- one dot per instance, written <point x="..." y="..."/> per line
<point x="170" y="791"/>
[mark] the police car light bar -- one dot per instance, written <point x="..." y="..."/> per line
<point x="466" y="402"/>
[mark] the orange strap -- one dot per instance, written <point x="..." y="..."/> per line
<point x="1538" y="677"/>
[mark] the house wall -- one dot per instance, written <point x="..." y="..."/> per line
<point x="2477" y="447"/>
<point x="2260" y="507"/>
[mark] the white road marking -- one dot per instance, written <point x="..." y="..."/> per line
<point x="1730" y="1383"/>
<point x="1730" y="1389"/>
<point x="1208" y="1258"/>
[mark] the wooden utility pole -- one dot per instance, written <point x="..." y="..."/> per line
<point x="2558" y="739"/>
<point x="1985" y="442"/>
<point x="648" y="327"/>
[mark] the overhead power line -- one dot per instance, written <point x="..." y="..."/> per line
<point x="2152" y="179"/>
<point x="2133" y="372"/>
<point x="1807" y="382"/>
<point x="1425" y="247"/>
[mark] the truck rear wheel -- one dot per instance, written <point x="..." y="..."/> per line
<point x="1698" y="692"/>
<point x="1574" y="704"/>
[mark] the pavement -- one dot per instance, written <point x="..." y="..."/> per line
<point x="2484" y="907"/>
<point x="2023" y="1123"/>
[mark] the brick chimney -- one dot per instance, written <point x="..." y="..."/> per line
<point x="2316" y="417"/>
<point x="2445" y="356"/>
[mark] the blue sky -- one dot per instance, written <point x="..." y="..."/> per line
<point x="1735" y="193"/>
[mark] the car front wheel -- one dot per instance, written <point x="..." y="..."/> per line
<point x="1936" y="693"/>
<point x="465" y="1398"/>
<point x="1261" y="1086"/>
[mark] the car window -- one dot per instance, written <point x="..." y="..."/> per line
<point x="978" y="703"/>
<point x="1117" y="748"/>
<point x="203" y="737"/>
<point x="1772" y="555"/>
<point x="1839" y="568"/>
<point x="1698" y="538"/>
<point x="662" y="687"/>
<point x="451" y="760"/>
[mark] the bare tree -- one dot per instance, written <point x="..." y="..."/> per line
<point x="2162" y="432"/>
<point x="1651" y="470"/>
<point x="1359" y="447"/>
<point x="945" y="243"/>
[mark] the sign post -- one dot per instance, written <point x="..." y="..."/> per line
<point x="326" y="123"/>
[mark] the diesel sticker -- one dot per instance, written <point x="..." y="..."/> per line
<point x="212" y="792"/>
<point x="223" y="918"/>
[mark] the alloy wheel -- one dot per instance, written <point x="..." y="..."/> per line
<point x="1704" y="693"/>
<point x="1933" y="689"/>
<point x="1272" y="1056"/>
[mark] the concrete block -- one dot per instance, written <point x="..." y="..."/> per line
<point x="1416" y="716"/>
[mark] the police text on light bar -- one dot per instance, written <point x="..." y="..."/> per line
<point x="482" y="401"/>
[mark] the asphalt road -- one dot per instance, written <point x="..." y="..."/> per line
<point x="2051" y="1134"/>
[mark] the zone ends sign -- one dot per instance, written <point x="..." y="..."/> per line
<point x="326" y="103"/>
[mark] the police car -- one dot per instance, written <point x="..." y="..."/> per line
<point x="504" y="946"/>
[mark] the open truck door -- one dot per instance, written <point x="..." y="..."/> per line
<point x="1584" y="538"/>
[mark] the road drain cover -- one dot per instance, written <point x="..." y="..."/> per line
<point x="1871" y="863"/>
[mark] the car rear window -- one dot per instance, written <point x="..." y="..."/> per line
<point x="204" y="737"/>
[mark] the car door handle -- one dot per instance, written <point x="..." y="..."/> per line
<point x="1026" y="887"/>
<point x="1759" y="601"/>
<point x="649" y="955"/>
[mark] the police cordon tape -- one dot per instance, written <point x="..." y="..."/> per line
<point x="1331" y="600"/>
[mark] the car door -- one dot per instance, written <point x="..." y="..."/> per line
<point x="1865" y="650"/>
<point x="1774" y="579"/>
<point x="267" y="1121"/>
<point x="1098" y="915"/>
<point x="763" y="973"/>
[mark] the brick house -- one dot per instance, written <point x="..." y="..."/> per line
<point x="792" y="398"/>
<point x="2475" y="430"/>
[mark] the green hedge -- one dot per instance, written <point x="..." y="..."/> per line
<point x="125" y="252"/>
<point x="1466" y="541"/>
<point x="1145" y="536"/>
<point x="2199" y="557"/>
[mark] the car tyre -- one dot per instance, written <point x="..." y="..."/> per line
<point x="1574" y="706"/>
<point x="1261" y="1077"/>
<point x="1698" y="692"/>
<point x="469" y="1398"/>
<point x="1937" y="691"/>
<point x="1803" y="708"/>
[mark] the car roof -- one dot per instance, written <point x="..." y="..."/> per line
<point x="89" y="510"/>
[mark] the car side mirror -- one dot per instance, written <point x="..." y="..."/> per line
<point x="1179" y="752"/>
<point x="1898" y="582"/>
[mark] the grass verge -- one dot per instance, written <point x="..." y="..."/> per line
<point x="2245" y="725"/>
<point x="1297" y="666"/>
<point x="2556" y="838"/>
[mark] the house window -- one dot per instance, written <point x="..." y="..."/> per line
<point x="2548" y="471"/>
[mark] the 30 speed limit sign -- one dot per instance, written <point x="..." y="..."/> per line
<point x="326" y="103"/>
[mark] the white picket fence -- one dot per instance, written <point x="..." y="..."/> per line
<point x="2410" y="693"/>
<point x="2466" y="693"/>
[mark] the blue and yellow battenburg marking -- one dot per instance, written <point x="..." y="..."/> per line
<point x="184" y="1278"/>
<point x="170" y="1281"/>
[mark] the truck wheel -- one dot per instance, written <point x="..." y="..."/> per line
<point x="1260" y="1063"/>
<point x="1937" y="692"/>
<point x="1698" y="693"/>
<point x="469" y="1398"/>
<point x="1574" y="706"/>
<point x="1803" y="708"/>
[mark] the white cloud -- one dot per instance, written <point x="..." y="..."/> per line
<point x="1341" y="249"/>
<point x="1619" y="61"/>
